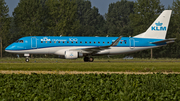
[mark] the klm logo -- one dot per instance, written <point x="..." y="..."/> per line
<point x="71" y="55"/>
<point x="45" y="39"/>
<point x="158" y="27"/>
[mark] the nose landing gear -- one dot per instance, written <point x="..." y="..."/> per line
<point x="27" y="57"/>
<point x="88" y="59"/>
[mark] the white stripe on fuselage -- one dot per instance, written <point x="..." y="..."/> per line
<point x="52" y="50"/>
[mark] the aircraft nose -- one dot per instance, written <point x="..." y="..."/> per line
<point x="7" y="48"/>
<point x="10" y="47"/>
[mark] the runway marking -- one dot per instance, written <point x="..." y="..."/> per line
<point x="79" y="72"/>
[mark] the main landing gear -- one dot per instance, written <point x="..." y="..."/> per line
<point x="88" y="59"/>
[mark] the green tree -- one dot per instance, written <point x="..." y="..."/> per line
<point x="91" y="22"/>
<point x="145" y="12"/>
<point x="4" y="25"/>
<point x="29" y="17"/>
<point x="172" y="50"/>
<point x="62" y="17"/>
<point x="117" y="18"/>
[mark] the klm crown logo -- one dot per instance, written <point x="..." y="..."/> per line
<point x="71" y="55"/>
<point x="158" y="27"/>
<point x="45" y="39"/>
<point x="159" y="24"/>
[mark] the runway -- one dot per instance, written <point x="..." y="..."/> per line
<point x="79" y="72"/>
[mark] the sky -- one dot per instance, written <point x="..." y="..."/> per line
<point x="102" y="5"/>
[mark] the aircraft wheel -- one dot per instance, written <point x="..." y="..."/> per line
<point x="27" y="59"/>
<point x="86" y="59"/>
<point x="91" y="59"/>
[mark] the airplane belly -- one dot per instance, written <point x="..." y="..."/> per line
<point x="55" y="49"/>
<point x="103" y="52"/>
<point x="39" y="51"/>
<point x="122" y="50"/>
<point x="119" y="50"/>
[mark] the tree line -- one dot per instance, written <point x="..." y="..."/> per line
<point x="79" y="18"/>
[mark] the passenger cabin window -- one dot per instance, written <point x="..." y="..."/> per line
<point x="98" y="42"/>
<point x="76" y="42"/>
<point x="125" y="41"/>
<point x="81" y="42"/>
<point x="41" y="41"/>
<point x="58" y="41"/>
<point x="50" y="41"/>
<point x="54" y="41"/>
<point x="94" y="42"/>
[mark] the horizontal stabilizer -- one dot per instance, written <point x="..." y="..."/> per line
<point x="171" y="40"/>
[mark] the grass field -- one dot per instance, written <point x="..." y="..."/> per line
<point x="111" y="65"/>
<point x="96" y="86"/>
<point x="91" y="87"/>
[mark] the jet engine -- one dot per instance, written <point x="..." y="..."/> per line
<point x="72" y="54"/>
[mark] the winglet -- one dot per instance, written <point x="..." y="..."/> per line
<point x="116" y="41"/>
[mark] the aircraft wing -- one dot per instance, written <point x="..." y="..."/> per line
<point x="97" y="49"/>
<point x="171" y="40"/>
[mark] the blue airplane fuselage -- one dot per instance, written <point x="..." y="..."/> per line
<point x="50" y="45"/>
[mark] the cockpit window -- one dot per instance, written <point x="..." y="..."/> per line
<point x="19" y="41"/>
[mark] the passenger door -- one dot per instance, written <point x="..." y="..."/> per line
<point x="131" y="43"/>
<point x="33" y="42"/>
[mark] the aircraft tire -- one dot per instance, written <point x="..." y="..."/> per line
<point x="27" y="59"/>
<point x="86" y="59"/>
<point x="91" y="59"/>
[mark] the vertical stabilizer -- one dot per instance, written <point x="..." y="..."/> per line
<point x="159" y="27"/>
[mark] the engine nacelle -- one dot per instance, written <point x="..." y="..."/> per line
<point x="72" y="55"/>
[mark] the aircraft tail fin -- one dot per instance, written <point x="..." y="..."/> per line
<point x="159" y="27"/>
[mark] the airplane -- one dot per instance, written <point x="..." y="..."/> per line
<point x="75" y="47"/>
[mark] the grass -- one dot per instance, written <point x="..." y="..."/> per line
<point x="96" y="66"/>
<point x="52" y="64"/>
<point x="57" y="60"/>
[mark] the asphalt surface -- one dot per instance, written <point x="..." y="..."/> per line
<point x="78" y="72"/>
<point x="108" y="61"/>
